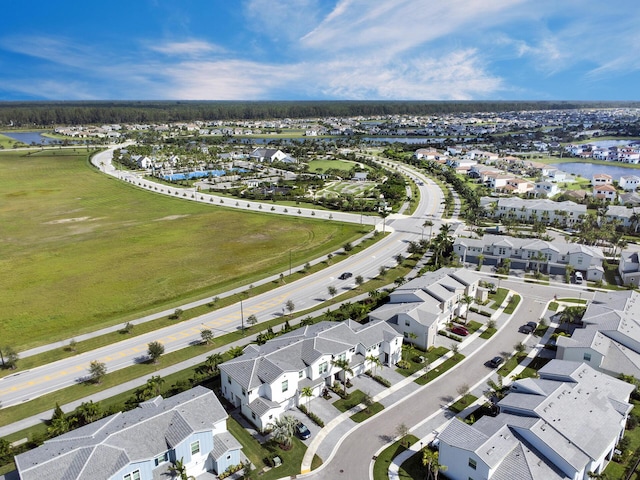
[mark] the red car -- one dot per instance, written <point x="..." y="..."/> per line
<point x="460" y="330"/>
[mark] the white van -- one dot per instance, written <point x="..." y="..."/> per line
<point x="579" y="277"/>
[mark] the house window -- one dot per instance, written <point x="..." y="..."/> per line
<point x="472" y="463"/>
<point x="586" y="357"/>
<point x="323" y="367"/>
<point x="195" y="447"/>
<point x="285" y="385"/>
<point x="407" y="322"/>
<point x="135" y="475"/>
<point x="253" y="415"/>
<point x="229" y="380"/>
<point x="228" y="457"/>
<point x="160" y="459"/>
<point x="301" y="374"/>
<point x="406" y="335"/>
<point x="244" y="392"/>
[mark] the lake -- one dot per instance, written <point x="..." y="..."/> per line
<point x="30" y="138"/>
<point x="587" y="170"/>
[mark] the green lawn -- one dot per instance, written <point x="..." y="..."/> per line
<point x="81" y="251"/>
<point x="381" y="465"/>
<point x="316" y="166"/>
<point x="430" y="357"/>
<point x="498" y="298"/>
<point x="355" y="398"/>
<point x="362" y="415"/>
<point x="463" y="403"/>
<point x="513" y="303"/>
<point x="510" y="364"/>
<point x="488" y="333"/>
<point x="436" y="372"/>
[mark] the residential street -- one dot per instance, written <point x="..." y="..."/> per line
<point x="353" y="454"/>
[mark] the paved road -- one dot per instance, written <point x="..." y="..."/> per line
<point x="305" y="293"/>
<point x="352" y="457"/>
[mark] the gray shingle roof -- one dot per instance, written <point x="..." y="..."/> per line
<point x="295" y="350"/>
<point x="99" y="450"/>
<point x="222" y="443"/>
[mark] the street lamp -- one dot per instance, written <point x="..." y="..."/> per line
<point x="242" y="317"/>
<point x="289" y="262"/>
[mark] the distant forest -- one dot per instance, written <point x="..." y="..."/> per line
<point x="46" y="114"/>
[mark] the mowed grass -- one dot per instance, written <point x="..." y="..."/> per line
<point x="8" y="142"/>
<point x="81" y="250"/>
<point x="324" y="165"/>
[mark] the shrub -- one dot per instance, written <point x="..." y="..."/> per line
<point x="403" y="364"/>
<point x="312" y="416"/>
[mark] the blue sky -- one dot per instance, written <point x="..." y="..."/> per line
<point x="320" y="50"/>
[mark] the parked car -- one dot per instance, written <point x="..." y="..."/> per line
<point x="302" y="431"/>
<point x="529" y="327"/>
<point x="345" y="275"/>
<point x="578" y="277"/>
<point x="495" y="362"/>
<point x="460" y="330"/>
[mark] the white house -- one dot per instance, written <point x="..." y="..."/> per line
<point x="268" y="379"/>
<point x="610" y="339"/>
<point x="601" y="179"/>
<point x="267" y="155"/>
<point x="141" y="444"/>
<point x="562" y="425"/>
<point x="534" y="254"/>
<point x="629" y="268"/>
<point x="422" y="306"/>
<point x="629" y="182"/>
<point x="605" y="191"/>
<point x="543" y="210"/>
<point x="549" y="189"/>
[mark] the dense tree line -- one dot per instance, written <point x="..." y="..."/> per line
<point x="50" y="113"/>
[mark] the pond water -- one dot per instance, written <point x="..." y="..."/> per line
<point x="30" y="138"/>
<point x="204" y="173"/>
<point x="587" y="170"/>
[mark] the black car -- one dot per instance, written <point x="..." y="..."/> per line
<point x="345" y="275"/>
<point x="302" y="431"/>
<point x="495" y="362"/>
<point x="529" y="327"/>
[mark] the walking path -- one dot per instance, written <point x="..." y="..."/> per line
<point x="330" y="436"/>
<point x="428" y="430"/>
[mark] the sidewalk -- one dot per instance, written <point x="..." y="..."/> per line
<point x="427" y="431"/>
<point x="400" y="389"/>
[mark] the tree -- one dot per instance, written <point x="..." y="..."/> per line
<point x="213" y="361"/>
<point x="343" y="365"/>
<point x="520" y="348"/>
<point x="6" y="452"/>
<point x="430" y="459"/>
<point x="401" y="432"/>
<point x="155" y="350"/>
<point x="73" y="345"/>
<point x="9" y="357"/>
<point x="177" y="314"/>
<point x="153" y="386"/>
<point x="307" y="392"/>
<point x="463" y="390"/>
<point x="367" y="399"/>
<point x="467" y="300"/>
<point x="375" y="361"/>
<point x="206" y="335"/>
<point x="428" y="223"/>
<point x="252" y="320"/>
<point x="359" y="281"/>
<point x="332" y="290"/>
<point x="284" y="429"/>
<point x="290" y="306"/>
<point x="59" y="422"/>
<point x="235" y="351"/>
<point x="97" y="371"/>
<point x="179" y="469"/>
<point x="88" y="412"/>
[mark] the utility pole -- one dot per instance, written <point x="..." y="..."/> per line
<point x="242" y="316"/>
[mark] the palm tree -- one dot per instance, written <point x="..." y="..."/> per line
<point x="343" y="365"/>
<point x="467" y="300"/>
<point x="283" y="431"/>
<point x="179" y="469"/>
<point x="428" y="223"/>
<point x="430" y="459"/>
<point x="375" y="361"/>
<point x="213" y="361"/>
<point x="307" y="392"/>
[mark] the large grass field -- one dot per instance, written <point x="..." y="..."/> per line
<point x="324" y="165"/>
<point x="8" y="142"/>
<point x="81" y="250"/>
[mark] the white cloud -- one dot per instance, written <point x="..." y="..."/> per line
<point x="192" y="48"/>
<point x="282" y="20"/>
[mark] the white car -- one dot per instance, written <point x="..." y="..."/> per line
<point x="579" y="277"/>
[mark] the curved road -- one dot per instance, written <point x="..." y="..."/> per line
<point x="352" y="457"/>
<point x="304" y="293"/>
